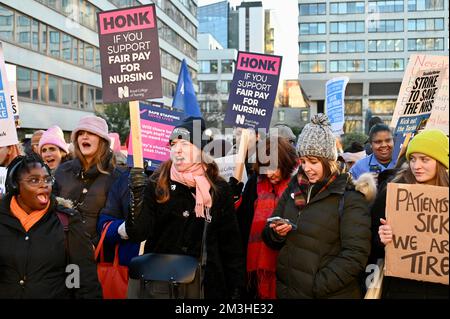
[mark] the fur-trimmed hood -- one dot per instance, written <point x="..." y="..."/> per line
<point x="367" y="185"/>
<point x="66" y="203"/>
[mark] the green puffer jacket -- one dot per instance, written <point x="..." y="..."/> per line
<point x="325" y="255"/>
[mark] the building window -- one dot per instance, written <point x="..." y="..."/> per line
<point x="24" y="82"/>
<point x="54" y="39"/>
<point x="347" y="7"/>
<point x="53" y="90"/>
<point x="312" y="9"/>
<point x="6" y="24"/>
<point x="425" y="5"/>
<point x="313" y="47"/>
<point x="208" y="87"/>
<point x="386" y="6"/>
<point x="312" y="28"/>
<point x="392" y="45"/>
<point x="386" y="26"/>
<point x="23" y="30"/>
<point x="425" y="24"/>
<point x="313" y="67"/>
<point x="347" y="27"/>
<point x="338" y="66"/>
<point x="353" y="107"/>
<point x="66" y="42"/>
<point x="347" y="46"/>
<point x="352" y="126"/>
<point x="227" y="66"/>
<point x="386" y="65"/>
<point x="382" y="106"/>
<point x="426" y="44"/>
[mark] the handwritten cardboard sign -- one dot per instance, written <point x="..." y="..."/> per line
<point x="418" y="215"/>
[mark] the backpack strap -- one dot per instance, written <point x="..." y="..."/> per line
<point x="64" y="219"/>
<point x="341" y="206"/>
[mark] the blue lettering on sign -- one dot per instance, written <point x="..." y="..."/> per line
<point x="1" y="82"/>
<point x="3" y="110"/>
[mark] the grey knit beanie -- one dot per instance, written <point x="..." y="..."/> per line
<point x="317" y="139"/>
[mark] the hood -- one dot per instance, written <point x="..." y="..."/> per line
<point x="366" y="185"/>
<point x="66" y="203"/>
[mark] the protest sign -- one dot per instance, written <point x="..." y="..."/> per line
<point x="227" y="165"/>
<point x="129" y="54"/>
<point x="253" y="90"/>
<point x="335" y="94"/>
<point x="11" y="76"/>
<point x="420" y="87"/>
<point x="418" y="215"/>
<point x="3" y="171"/>
<point x="8" y="133"/>
<point x="156" y="125"/>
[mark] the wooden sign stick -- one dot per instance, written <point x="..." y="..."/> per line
<point x="138" y="158"/>
<point x="243" y="147"/>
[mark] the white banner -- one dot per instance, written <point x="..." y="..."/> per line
<point x="334" y="103"/>
<point x="226" y="167"/>
<point x="11" y="75"/>
<point x="8" y="133"/>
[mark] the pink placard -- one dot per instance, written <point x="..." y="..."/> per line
<point x="259" y="63"/>
<point x="155" y="140"/>
<point x="127" y="20"/>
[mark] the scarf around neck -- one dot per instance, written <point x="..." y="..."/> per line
<point x="195" y="177"/>
<point x="27" y="220"/>
<point x="304" y="185"/>
<point x="262" y="260"/>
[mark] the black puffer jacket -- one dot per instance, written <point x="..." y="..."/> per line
<point x="70" y="182"/>
<point x="325" y="255"/>
<point x="33" y="264"/>
<point x="173" y="228"/>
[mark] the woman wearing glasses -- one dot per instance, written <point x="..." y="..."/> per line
<point x="39" y="258"/>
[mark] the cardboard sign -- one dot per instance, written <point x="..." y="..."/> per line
<point x="156" y="126"/>
<point x="418" y="215"/>
<point x="227" y="166"/>
<point x="253" y="90"/>
<point x="335" y="94"/>
<point x="8" y="133"/>
<point x="129" y="53"/>
<point x="3" y="171"/>
<point x="421" y="86"/>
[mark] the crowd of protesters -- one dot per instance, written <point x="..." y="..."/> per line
<point x="327" y="203"/>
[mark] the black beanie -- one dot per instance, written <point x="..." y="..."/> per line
<point x="185" y="131"/>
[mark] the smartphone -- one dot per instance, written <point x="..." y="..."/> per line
<point x="278" y="221"/>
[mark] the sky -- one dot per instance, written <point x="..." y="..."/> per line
<point x="286" y="32"/>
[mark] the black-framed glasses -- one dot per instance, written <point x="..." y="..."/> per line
<point x="36" y="181"/>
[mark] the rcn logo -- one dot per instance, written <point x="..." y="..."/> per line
<point x="123" y="92"/>
<point x="240" y="119"/>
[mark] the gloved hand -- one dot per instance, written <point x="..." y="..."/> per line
<point x="236" y="189"/>
<point x="137" y="180"/>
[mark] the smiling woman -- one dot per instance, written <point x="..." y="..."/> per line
<point x="35" y="249"/>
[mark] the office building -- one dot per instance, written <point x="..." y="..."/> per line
<point x="213" y="19"/>
<point x="370" y="42"/>
<point x="54" y="45"/>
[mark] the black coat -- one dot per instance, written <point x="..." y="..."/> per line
<point x="33" y="264"/>
<point x="70" y="182"/>
<point x="325" y="255"/>
<point x="173" y="228"/>
<point x="393" y="287"/>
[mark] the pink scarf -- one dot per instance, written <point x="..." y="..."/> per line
<point x="195" y="176"/>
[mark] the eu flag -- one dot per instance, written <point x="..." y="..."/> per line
<point x="185" y="98"/>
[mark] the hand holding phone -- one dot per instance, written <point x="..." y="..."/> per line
<point x="277" y="220"/>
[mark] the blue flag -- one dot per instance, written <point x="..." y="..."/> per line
<point x="185" y="98"/>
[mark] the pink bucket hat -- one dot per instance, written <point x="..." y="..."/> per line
<point x="55" y="136"/>
<point x="92" y="124"/>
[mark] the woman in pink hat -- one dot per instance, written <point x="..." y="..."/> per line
<point x="87" y="178"/>
<point x="53" y="148"/>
